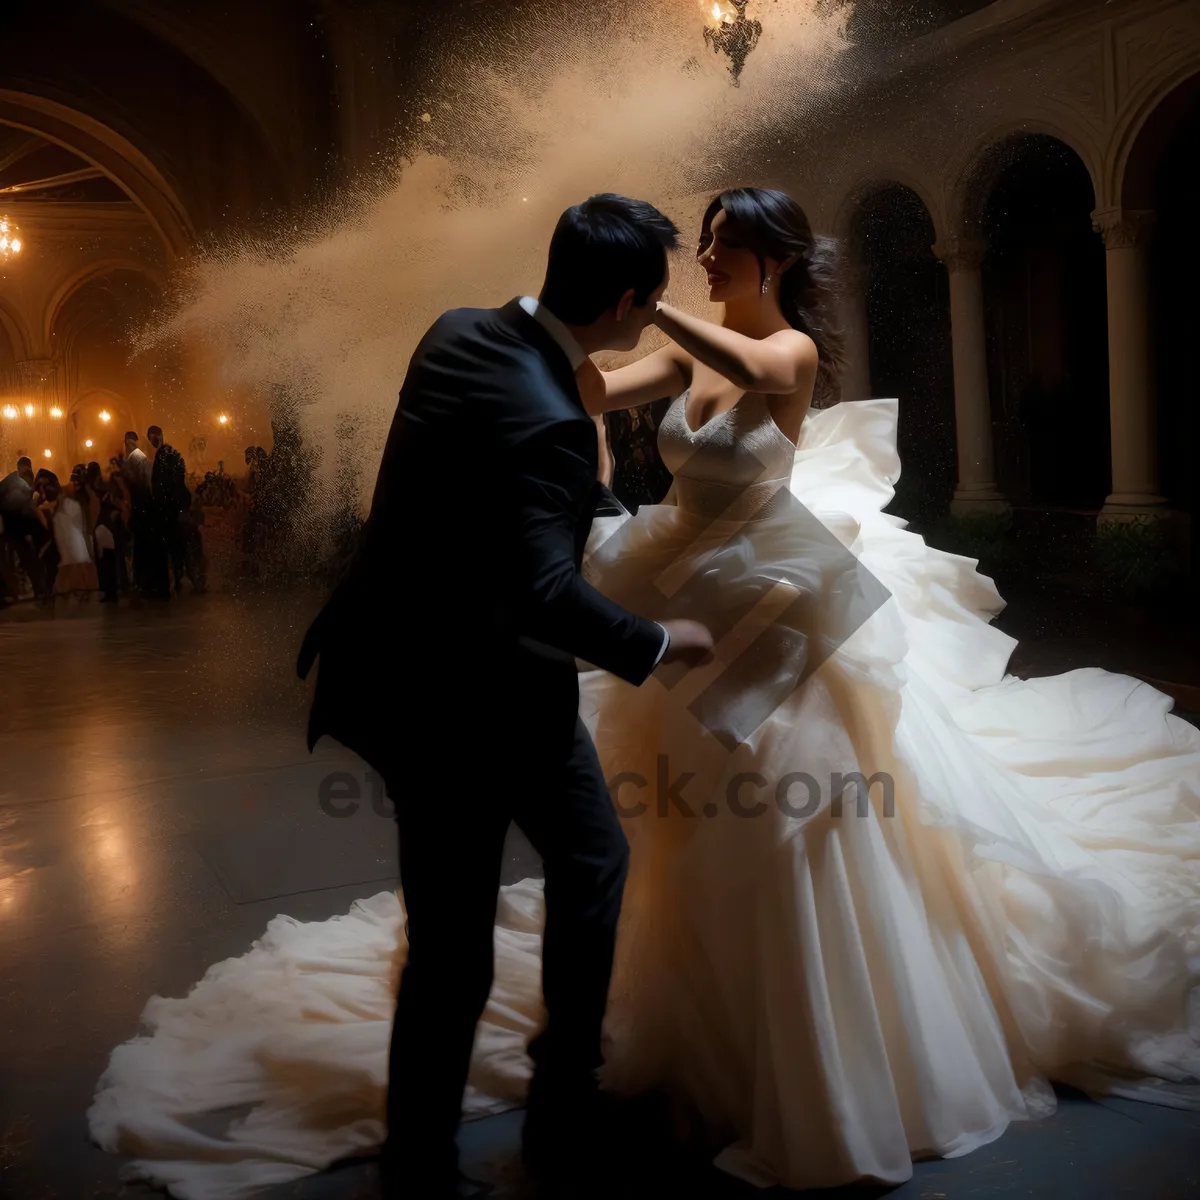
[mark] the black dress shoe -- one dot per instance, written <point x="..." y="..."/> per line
<point x="400" y="1183"/>
<point x="581" y="1185"/>
<point x="571" y="1159"/>
<point x="469" y="1188"/>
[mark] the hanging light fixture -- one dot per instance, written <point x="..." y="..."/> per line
<point x="719" y="12"/>
<point x="728" y="31"/>
<point x="10" y="238"/>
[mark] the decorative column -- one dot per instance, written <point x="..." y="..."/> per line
<point x="976" y="490"/>
<point x="1132" y="407"/>
<point x="856" y="375"/>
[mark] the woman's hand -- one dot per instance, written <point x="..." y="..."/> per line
<point x="780" y="364"/>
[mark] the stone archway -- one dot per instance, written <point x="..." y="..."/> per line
<point x="1043" y="277"/>
<point x="87" y="423"/>
<point x="12" y="331"/>
<point x="88" y="273"/>
<point x="993" y="154"/>
<point x="94" y="352"/>
<point x="1161" y="184"/>
<point x="122" y="162"/>
<point x="880" y="179"/>
<point x="902" y="290"/>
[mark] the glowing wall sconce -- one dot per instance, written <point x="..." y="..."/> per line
<point x="10" y="241"/>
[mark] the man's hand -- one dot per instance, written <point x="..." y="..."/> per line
<point x="690" y="643"/>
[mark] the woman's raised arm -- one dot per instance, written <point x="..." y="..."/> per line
<point x="663" y="373"/>
<point x="780" y="364"/>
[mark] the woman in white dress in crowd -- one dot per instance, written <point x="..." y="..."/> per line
<point x="73" y="539"/>
<point x="833" y="978"/>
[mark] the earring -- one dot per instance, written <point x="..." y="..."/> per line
<point x="766" y="285"/>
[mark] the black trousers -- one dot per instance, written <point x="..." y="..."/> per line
<point x="18" y="548"/>
<point x="453" y="812"/>
<point x="121" y="537"/>
<point x="106" y="569"/>
<point x="195" y="564"/>
<point x="143" y="548"/>
<point x="154" y="544"/>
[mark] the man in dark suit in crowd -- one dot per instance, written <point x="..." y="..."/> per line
<point x="23" y="531"/>
<point x="169" y="495"/>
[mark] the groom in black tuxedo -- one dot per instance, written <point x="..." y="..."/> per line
<point x="447" y="661"/>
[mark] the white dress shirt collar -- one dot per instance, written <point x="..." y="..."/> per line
<point x="556" y="329"/>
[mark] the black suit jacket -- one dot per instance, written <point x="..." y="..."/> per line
<point x="168" y="480"/>
<point x="465" y="597"/>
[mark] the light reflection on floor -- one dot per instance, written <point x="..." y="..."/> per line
<point x="157" y="808"/>
<point x="123" y="736"/>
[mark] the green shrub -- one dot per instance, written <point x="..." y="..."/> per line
<point x="981" y="536"/>
<point x="1134" y="557"/>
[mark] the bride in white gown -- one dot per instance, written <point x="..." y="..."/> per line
<point x="835" y="979"/>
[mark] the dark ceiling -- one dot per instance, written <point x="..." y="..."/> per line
<point x="875" y="21"/>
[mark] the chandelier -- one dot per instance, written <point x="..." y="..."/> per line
<point x="728" y="32"/>
<point x="10" y="238"/>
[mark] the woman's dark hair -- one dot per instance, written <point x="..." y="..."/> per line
<point x="602" y="248"/>
<point x="772" y="225"/>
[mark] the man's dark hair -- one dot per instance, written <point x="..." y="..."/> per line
<point x="154" y="429"/>
<point x="602" y="248"/>
<point x="24" y="461"/>
<point x="131" y="436"/>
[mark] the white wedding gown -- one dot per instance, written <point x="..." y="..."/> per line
<point x="832" y="992"/>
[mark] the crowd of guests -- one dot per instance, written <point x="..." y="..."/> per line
<point x="136" y="527"/>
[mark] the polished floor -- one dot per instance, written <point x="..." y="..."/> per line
<point x="158" y="807"/>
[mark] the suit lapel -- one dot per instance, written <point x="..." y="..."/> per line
<point x="531" y="331"/>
